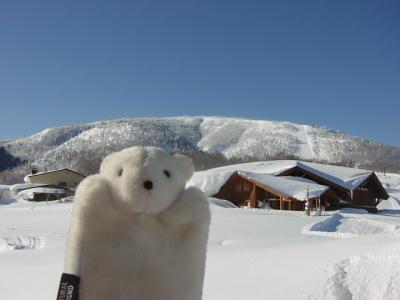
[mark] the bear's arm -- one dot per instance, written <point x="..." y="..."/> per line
<point x="191" y="207"/>
<point x="90" y="193"/>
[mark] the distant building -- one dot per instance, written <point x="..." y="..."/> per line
<point x="258" y="190"/>
<point x="273" y="182"/>
<point x="47" y="186"/>
<point x="354" y="188"/>
<point x="62" y="178"/>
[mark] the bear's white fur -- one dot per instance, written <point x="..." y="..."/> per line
<point x="130" y="242"/>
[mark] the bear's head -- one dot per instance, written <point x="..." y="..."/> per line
<point x="146" y="179"/>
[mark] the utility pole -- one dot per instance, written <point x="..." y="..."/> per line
<point x="307" y="205"/>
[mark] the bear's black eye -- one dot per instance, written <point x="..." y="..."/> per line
<point x="120" y="172"/>
<point x="167" y="173"/>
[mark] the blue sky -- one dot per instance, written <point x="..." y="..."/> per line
<point x="331" y="63"/>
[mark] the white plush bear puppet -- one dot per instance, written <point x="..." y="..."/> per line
<point x="136" y="232"/>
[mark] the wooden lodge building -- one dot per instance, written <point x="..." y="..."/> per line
<point x="290" y="184"/>
<point x="364" y="192"/>
<point x="257" y="190"/>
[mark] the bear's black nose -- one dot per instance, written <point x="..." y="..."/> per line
<point x="148" y="185"/>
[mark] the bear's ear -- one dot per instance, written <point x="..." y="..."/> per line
<point x="185" y="165"/>
<point x="107" y="163"/>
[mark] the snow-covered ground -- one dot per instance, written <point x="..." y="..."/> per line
<point x="252" y="254"/>
<point x="390" y="181"/>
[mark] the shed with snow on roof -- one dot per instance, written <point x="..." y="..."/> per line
<point x="62" y="178"/>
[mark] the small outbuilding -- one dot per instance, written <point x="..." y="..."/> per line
<point x="62" y="178"/>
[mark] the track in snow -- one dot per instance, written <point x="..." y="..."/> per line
<point x="395" y="201"/>
<point x="21" y="243"/>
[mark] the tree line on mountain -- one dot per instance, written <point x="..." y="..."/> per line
<point x="7" y="160"/>
<point x="87" y="162"/>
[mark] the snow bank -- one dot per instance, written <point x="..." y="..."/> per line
<point x="393" y="203"/>
<point x="67" y="199"/>
<point x="362" y="277"/>
<point x="209" y="181"/>
<point x="28" y="194"/>
<point x="221" y="203"/>
<point x="16" y="188"/>
<point x="349" y="223"/>
<point x="390" y="181"/>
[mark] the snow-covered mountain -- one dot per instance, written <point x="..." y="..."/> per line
<point x="231" y="137"/>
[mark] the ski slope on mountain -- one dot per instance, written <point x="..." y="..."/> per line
<point x="306" y="148"/>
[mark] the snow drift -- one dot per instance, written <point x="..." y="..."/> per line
<point x="362" y="277"/>
<point x="349" y="223"/>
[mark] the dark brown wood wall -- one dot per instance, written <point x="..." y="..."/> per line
<point x="239" y="190"/>
<point x="364" y="197"/>
<point x="229" y="190"/>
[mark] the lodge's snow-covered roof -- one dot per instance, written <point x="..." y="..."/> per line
<point x="210" y="181"/>
<point x="348" y="178"/>
<point x="295" y="187"/>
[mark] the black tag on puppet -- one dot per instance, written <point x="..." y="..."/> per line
<point x="69" y="287"/>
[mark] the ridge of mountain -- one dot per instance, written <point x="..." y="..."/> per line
<point x="233" y="138"/>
